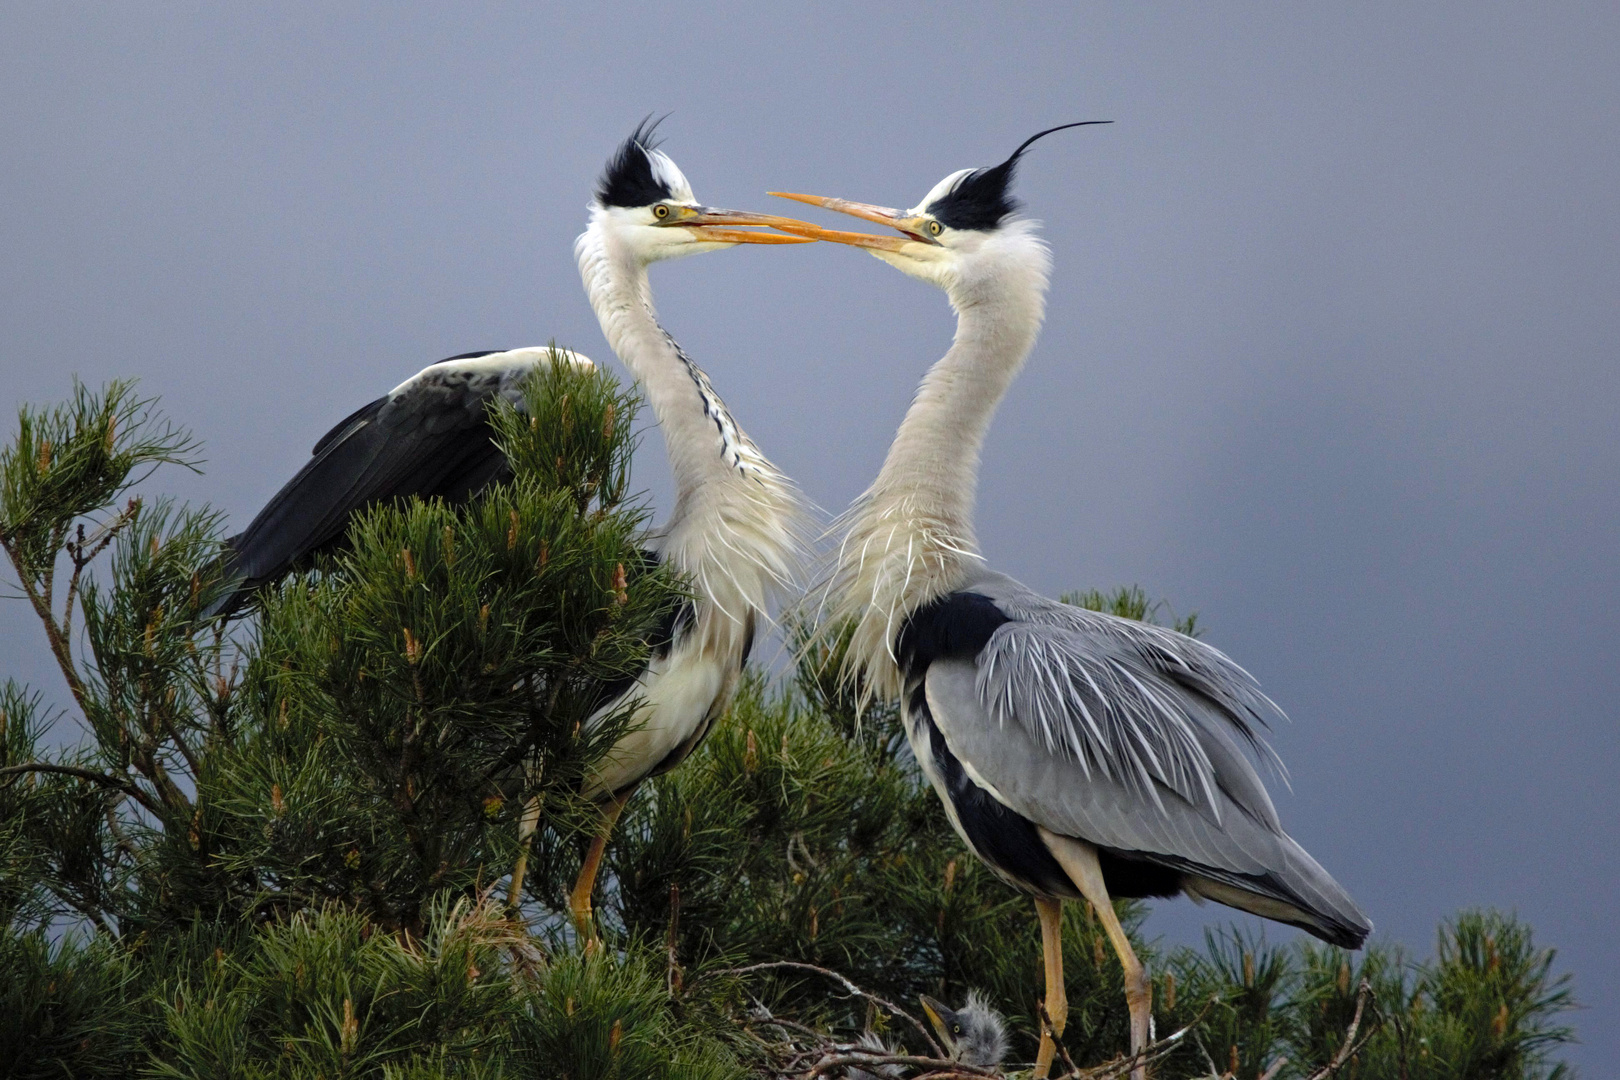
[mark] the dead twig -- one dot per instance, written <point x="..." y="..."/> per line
<point x="849" y="988"/>
<point x="1149" y="1054"/>
<point x="1351" y="1045"/>
<point x="1048" y="1031"/>
<point x="1276" y="1067"/>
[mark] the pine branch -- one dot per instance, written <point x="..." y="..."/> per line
<point x="53" y="634"/>
<point x="123" y="784"/>
<point x="81" y="558"/>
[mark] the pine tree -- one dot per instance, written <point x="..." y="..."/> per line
<point x="280" y="849"/>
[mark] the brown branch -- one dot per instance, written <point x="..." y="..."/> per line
<point x="1276" y="1067"/>
<point x="118" y="783"/>
<point x="75" y="549"/>
<point x="672" y="971"/>
<point x="53" y="633"/>
<point x="91" y="911"/>
<point x="1048" y="1031"/>
<point x="791" y="1025"/>
<point x="185" y="751"/>
<point x="146" y="760"/>
<point x="120" y="841"/>
<point x="1150" y="1053"/>
<point x="849" y="988"/>
<point x="1350" y="1046"/>
<point x="98" y="541"/>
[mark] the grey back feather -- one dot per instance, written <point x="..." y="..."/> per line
<point x="1131" y="702"/>
<point x="1237" y="842"/>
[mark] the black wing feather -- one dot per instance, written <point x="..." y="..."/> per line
<point x="431" y="439"/>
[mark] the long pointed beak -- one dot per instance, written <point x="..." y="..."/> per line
<point x="883" y="215"/>
<point x="936" y="1013"/>
<point x="734" y="227"/>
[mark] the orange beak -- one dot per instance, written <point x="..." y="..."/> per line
<point x="882" y="215"/>
<point x="735" y="226"/>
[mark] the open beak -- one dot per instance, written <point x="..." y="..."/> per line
<point x="737" y="226"/>
<point x="936" y="1012"/>
<point x="883" y="215"/>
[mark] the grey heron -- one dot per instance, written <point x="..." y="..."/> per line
<point x="1079" y="755"/>
<point x="973" y="1034"/>
<point x="736" y="525"/>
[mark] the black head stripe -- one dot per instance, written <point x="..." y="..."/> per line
<point x="982" y="198"/>
<point x="628" y="179"/>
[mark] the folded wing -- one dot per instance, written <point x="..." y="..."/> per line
<point x="427" y="437"/>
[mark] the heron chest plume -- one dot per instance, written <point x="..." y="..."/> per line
<point x="909" y="539"/>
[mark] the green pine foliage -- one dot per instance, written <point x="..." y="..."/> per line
<point x="283" y="849"/>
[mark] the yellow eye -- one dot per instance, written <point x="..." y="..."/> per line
<point x="935" y="228"/>
<point x="660" y="211"/>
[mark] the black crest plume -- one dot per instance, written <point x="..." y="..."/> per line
<point x="982" y="198"/>
<point x="628" y="179"/>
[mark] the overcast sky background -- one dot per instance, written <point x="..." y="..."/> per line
<point x="1331" y="353"/>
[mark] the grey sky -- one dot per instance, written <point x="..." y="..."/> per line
<point x="1331" y="355"/>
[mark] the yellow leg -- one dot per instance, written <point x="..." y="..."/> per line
<point x="1079" y="861"/>
<point x="526" y="827"/>
<point x="1057" y="1002"/>
<point x="579" y="901"/>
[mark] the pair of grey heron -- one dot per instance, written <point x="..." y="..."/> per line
<point x="1079" y="755"/>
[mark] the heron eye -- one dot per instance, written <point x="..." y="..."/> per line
<point x="660" y="211"/>
<point x="935" y="228"/>
<point x="956" y="1029"/>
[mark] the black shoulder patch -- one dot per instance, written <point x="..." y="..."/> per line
<point x="628" y="179"/>
<point x="1003" y="838"/>
<point x="982" y="198"/>
<point x="956" y="626"/>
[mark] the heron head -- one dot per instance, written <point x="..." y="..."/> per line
<point x="973" y="1034"/>
<point x="646" y="202"/>
<point x="966" y="222"/>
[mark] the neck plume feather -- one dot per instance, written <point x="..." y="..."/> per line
<point x="738" y="527"/>
<point x="909" y="539"/>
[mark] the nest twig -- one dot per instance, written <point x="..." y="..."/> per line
<point x="800" y="1052"/>
<point x="849" y="987"/>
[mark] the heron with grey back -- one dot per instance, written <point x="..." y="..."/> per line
<point x="738" y="525"/>
<point x="1078" y="754"/>
<point x="735" y="529"/>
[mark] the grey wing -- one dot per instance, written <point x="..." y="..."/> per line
<point x="427" y="437"/>
<point x="1125" y="700"/>
<point x="1239" y="856"/>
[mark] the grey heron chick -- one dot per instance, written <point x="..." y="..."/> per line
<point x="974" y="1034"/>
<point x="871" y="1040"/>
<point x="1079" y="755"/>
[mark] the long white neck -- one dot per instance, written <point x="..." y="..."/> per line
<point x="910" y="538"/>
<point x="737" y="524"/>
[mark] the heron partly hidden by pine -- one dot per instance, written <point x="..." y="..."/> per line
<point x="736" y="527"/>
<point x="1078" y="754"/>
